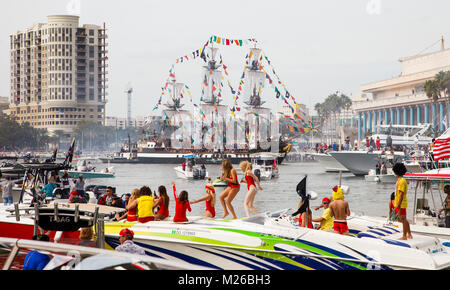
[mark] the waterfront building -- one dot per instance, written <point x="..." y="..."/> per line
<point x="58" y="74"/>
<point x="401" y="100"/>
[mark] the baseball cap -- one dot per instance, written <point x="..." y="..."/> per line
<point x="74" y="192"/>
<point x="325" y="199"/>
<point x="126" y="232"/>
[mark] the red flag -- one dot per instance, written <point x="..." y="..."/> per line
<point x="228" y="42"/>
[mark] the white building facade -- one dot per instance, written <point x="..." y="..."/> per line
<point x="402" y="100"/>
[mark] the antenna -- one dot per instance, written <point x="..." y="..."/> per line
<point x="129" y="91"/>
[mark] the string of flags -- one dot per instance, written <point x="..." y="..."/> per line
<point x="280" y="89"/>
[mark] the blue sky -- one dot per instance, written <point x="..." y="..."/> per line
<point x="316" y="47"/>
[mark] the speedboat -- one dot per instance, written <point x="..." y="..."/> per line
<point x="265" y="165"/>
<point x="272" y="241"/>
<point x="76" y="257"/>
<point x="191" y="170"/>
<point x="329" y="163"/>
<point x="389" y="177"/>
<point x="361" y="162"/>
<point x="89" y="172"/>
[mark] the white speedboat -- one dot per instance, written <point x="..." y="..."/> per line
<point x="361" y="162"/>
<point x="273" y="241"/>
<point x="389" y="177"/>
<point x="196" y="172"/>
<point x="408" y="135"/>
<point x="329" y="163"/>
<point x="89" y="172"/>
<point x="265" y="165"/>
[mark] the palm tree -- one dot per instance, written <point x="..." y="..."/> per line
<point x="433" y="92"/>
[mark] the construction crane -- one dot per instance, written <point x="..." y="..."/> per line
<point x="129" y="91"/>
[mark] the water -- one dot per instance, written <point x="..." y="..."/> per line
<point x="364" y="197"/>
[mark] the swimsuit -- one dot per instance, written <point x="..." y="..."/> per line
<point x="340" y="226"/>
<point x="131" y="216"/>
<point x="250" y="181"/>
<point x="210" y="208"/>
<point x="162" y="210"/>
<point x="233" y="185"/>
<point x="180" y="209"/>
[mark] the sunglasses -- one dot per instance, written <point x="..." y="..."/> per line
<point x="326" y="203"/>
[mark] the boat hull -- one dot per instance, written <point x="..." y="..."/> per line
<point x="359" y="162"/>
<point x="329" y="163"/>
<point x="178" y="158"/>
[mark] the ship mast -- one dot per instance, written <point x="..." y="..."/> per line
<point x="176" y="115"/>
<point x="257" y="117"/>
<point x="210" y="103"/>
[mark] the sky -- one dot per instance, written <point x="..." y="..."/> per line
<point x="317" y="47"/>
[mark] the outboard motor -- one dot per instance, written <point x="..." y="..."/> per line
<point x="257" y="172"/>
<point x="196" y="173"/>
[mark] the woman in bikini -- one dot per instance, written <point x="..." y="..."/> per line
<point x="251" y="180"/>
<point x="210" y="200"/>
<point x="229" y="175"/>
<point x="163" y="203"/>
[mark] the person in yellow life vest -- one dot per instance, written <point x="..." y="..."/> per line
<point x="326" y="220"/>
<point x="145" y="205"/>
<point x="400" y="201"/>
<point x="446" y="206"/>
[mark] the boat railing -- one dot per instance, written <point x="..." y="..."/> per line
<point x="66" y="217"/>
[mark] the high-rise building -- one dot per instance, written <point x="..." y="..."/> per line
<point x="58" y="74"/>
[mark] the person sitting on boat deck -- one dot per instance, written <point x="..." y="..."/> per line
<point x="131" y="214"/>
<point x="49" y="189"/>
<point x="339" y="210"/>
<point x="75" y="197"/>
<point x="227" y="196"/>
<point x="163" y="203"/>
<point x="446" y="208"/>
<point x="127" y="245"/>
<point x="108" y="197"/>
<point x="87" y="237"/>
<point x="401" y="202"/>
<point x="145" y="205"/>
<point x="326" y="220"/>
<point x="305" y="218"/>
<point x="210" y="200"/>
<point x="181" y="205"/>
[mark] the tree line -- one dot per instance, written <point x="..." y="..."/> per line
<point x="15" y="136"/>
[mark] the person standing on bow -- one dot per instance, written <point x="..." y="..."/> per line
<point x="251" y="180"/>
<point x="227" y="196"/>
